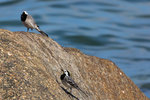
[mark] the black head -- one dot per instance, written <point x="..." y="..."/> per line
<point x="68" y="73"/>
<point x="65" y="73"/>
<point x="24" y="16"/>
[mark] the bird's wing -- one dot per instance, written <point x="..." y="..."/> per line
<point x="31" y="20"/>
<point x="71" y="82"/>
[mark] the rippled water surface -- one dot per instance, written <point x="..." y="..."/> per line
<point x="118" y="30"/>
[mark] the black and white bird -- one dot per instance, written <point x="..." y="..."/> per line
<point x="68" y="81"/>
<point x="29" y="22"/>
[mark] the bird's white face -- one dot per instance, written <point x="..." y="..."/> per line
<point x="66" y="72"/>
<point x="25" y="12"/>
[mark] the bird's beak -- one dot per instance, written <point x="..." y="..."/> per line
<point x="62" y="70"/>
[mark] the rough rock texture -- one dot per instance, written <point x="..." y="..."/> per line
<point x="30" y="67"/>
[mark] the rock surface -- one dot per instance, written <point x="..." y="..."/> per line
<point x="30" y="69"/>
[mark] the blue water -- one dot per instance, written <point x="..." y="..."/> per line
<point x="118" y="30"/>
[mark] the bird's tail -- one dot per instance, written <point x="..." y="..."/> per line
<point x="82" y="91"/>
<point x="43" y="33"/>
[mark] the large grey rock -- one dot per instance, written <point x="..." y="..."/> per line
<point x="30" y="67"/>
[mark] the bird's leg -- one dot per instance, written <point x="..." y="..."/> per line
<point x="70" y="90"/>
<point x="27" y="29"/>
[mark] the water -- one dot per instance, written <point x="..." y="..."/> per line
<point x="118" y="30"/>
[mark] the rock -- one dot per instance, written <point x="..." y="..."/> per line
<point x="30" y="69"/>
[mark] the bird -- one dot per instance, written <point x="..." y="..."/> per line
<point x="29" y="22"/>
<point x="68" y="81"/>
